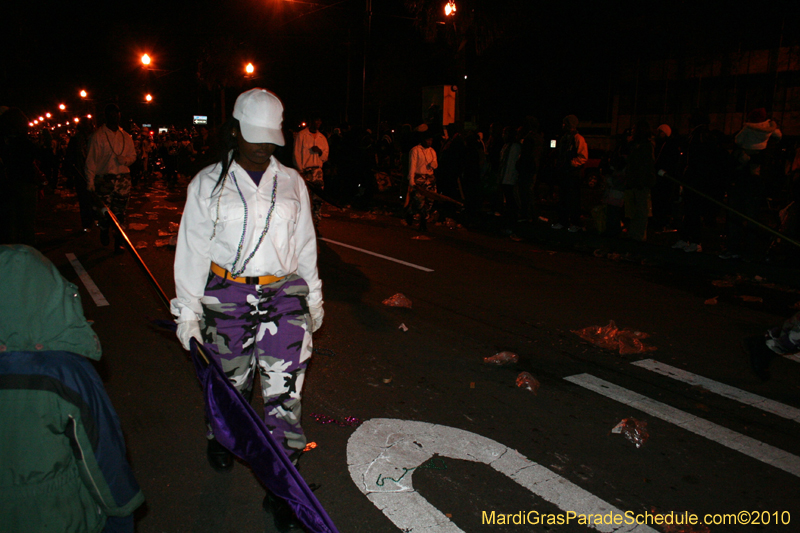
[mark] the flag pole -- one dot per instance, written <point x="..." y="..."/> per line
<point x="150" y="276"/>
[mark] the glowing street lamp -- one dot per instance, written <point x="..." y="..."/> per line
<point x="30" y="124"/>
<point x="88" y="116"/>
<point x="145" y="59"/>
<point x="41" y="119"/>
<point x="62" y="107"/>
<point x="148" y="98"/>
<point x="35" y="121"/>
<point x="249" y="68"/>
<point x="450" y="8"/>
<point x="48" y="115"/>
<point x="83" y="93"/>
<point x="76" y="119"/>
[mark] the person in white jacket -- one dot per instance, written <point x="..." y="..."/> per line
<point x="422" y="162"/>
<point x="746" y="194"/>
<point x="310" y="153"/>
<point x="111" y="153"/>
<point x="246" y="277"/>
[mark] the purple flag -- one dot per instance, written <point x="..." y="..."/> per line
<point x="237" y="427"/>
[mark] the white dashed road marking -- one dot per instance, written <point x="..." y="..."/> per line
<point x="728" y="438"/>
<point x="412" y="265"/>
<point x="94" y="292"/>
<point x="732" y="393"/>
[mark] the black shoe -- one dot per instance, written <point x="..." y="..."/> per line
<point x="104" y="237"/>
<point x="119" y="245"/>
<point x="760" y="355"/>
<point x="282" y="514"/>
<point x="218" y="456"/>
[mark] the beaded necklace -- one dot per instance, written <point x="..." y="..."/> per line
<point x="238" y="272"/>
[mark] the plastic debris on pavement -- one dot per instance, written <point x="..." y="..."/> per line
<point x="398" y="300"/>
<point x="526" y="381"/>
<point x="310" y="446"/>
<point x="173" y="227"/>
<point x="141" y="245"/>
<point x="712" y="301"/>
<point x="403" y="327"/>
<point x="612" y="338"/>
<point x="163" y="233"/>
<point x="502" y="358"/>
<point x="757" y="299"/>
<point x="137" y="226"/>
<point x="633" y="430"/>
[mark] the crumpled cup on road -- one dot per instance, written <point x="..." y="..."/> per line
<point x="526" y="381"/>
<point x="398" y="300"/>
<point x="502" y="358"/>
<point x="633" y="430"/>
<point x="612" y="338"/>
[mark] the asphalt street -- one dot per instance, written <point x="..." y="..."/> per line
<point x="446" y="439"/>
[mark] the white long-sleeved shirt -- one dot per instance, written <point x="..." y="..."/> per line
<point x="110" y="152"/>
<point x="421" y="160"/>
<point x="289" y="246"/>
<point x="303" y="156"/>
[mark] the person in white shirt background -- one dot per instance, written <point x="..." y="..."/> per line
<point x="111" y="152"/>
<point x="310" y="153"/>
<point x="421" y="164"/>
<point x="246" y="275"/>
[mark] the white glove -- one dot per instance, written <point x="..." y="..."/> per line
<point x="188" y="330"/>
<point x="316" y="317"/>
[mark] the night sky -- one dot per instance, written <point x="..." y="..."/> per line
<point x="522" y="57"/>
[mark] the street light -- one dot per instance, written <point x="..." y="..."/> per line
<point x="249" y="69"/>
<point x="48" y="115"/>
<point x="62" y="107"/>
<point x="83" y="93"/>
<point x="450" y="8"/>
<point x="76" y="119"/>
<point x="145" y="59"/>
<point x="41" y="119"/>
<point x="148" y="98"/>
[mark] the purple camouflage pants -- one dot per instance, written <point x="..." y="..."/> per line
<point x="268" y="328"/>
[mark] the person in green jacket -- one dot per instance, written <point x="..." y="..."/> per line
<point x="63" y="454"/>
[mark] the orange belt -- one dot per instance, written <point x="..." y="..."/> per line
<point x="250" y="280"/>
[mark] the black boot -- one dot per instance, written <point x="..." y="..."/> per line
<point x="760" y="355"/>
<point x="218" y="456"/>
<point x="282" y="514"/>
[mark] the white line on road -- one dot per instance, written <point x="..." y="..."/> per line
<point x="728" y="438"/>
<point x="383" y="453"/>
<point x="732" y="393"/>
<point x="94" y="292"/>
<point x="412" y="265"/>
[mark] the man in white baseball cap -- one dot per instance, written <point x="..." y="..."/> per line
<point x="260" y="115"/>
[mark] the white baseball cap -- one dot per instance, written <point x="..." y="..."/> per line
<point x="260" y="115"/>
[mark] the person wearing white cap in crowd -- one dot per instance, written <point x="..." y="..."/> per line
<point x="246" y="275"/>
